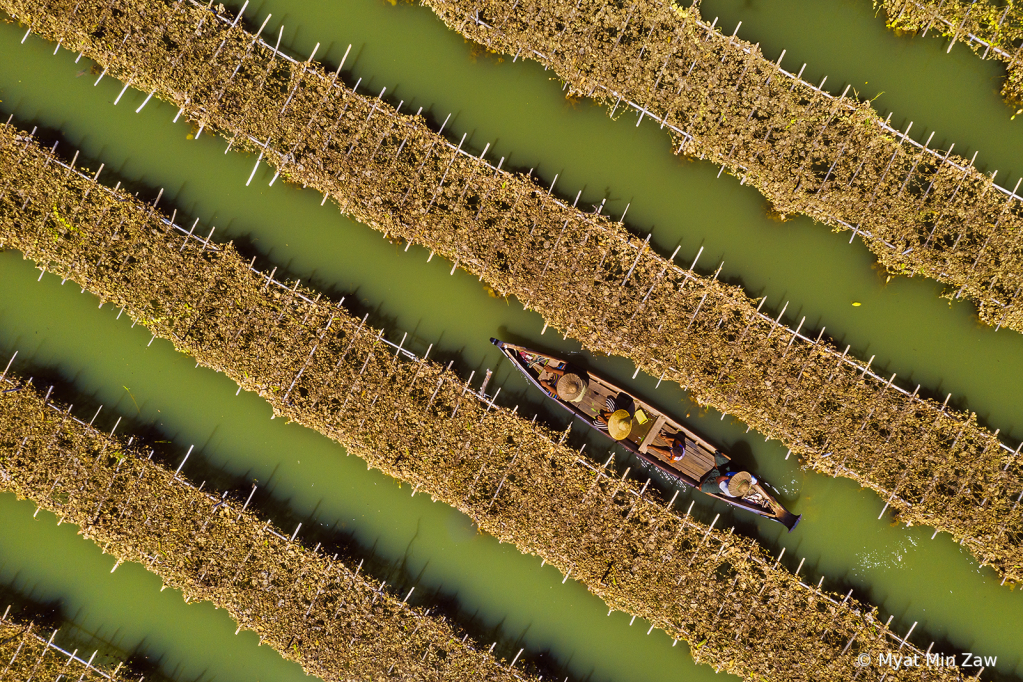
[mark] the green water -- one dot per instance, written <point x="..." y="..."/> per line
<point x="61" y="332"/>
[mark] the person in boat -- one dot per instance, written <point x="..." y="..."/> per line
<point x="617" y="419"/>
<point x="675" y="451"/>
<point x="720" y="481"/>
<point x="565" y="384"/>
<point x="550" y="384"/>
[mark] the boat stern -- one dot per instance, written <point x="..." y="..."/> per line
<point x="790" y="520"/>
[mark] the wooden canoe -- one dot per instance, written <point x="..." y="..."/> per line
<point x="699" y="454"/>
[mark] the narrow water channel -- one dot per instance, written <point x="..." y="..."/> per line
<point x="904" y="323"/>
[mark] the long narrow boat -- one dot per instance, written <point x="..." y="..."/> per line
<point x="651" y="427"/>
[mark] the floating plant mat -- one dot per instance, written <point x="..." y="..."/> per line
<point x="741" y="611"/>
<point x="994" y="30"/>
<point x="311" y="608"/>
<point x="932" y="465"/>
<point x="920" y="210"/>
<point x="27" y="653"/>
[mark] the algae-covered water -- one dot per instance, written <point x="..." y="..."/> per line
<point x="62" y="335"/>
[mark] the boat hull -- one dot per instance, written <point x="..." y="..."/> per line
<point x="646" y="440"/>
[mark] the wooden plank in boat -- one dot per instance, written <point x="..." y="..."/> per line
<point x="697" y="462"/>
<point x="589" y="402"/>
<point x="640" y="431"/>
<point x="595" y="399"/>
<point x="654" y="431"/>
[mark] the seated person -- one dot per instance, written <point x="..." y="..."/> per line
<point x="565" y="384"/>
<point x="720" y="481"/>
<point x="622" y="401"/>
<point x="675" y="450"/>
<point x="550" y="384"/>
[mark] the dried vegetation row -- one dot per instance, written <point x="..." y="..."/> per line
<point x="27" y="653"/>
<point x="416" y="421"/>
<point x="586" y="275"/>
<point x="311" y="608"/>
<point x="920" y="210"/>
<point x="994" y="30"/>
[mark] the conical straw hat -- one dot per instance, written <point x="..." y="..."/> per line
<point x="619" y="425"/>
<point x="571" y="388"/>
<point x="740" y="483"/>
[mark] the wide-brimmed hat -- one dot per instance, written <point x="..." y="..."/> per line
<point x="619" y="424"/>
<point x="740" y="483"/>
<point x="571" y="388"/>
